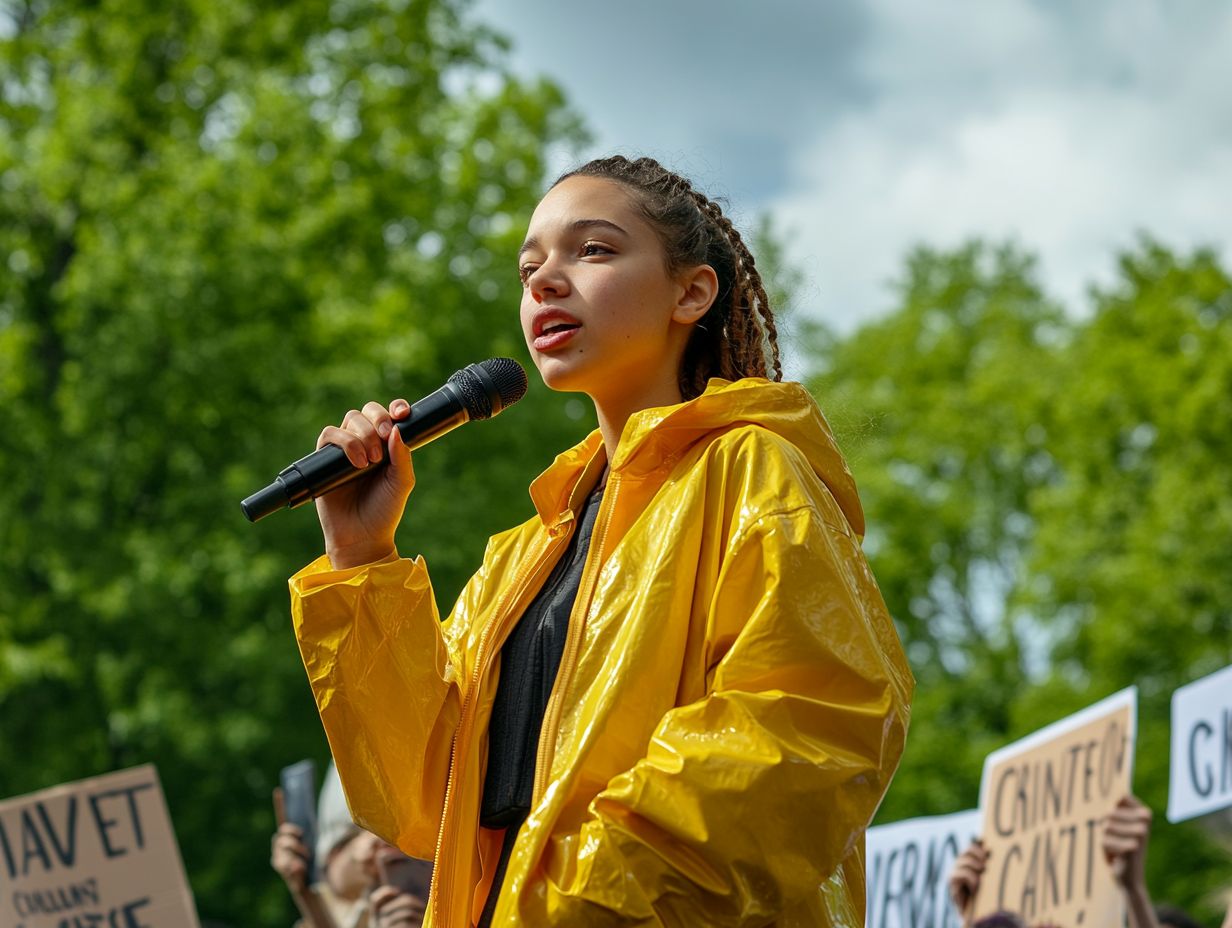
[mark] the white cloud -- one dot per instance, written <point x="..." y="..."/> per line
<point x="1006" y="120"/>
<point x="869" y="125"/>
<point x="719" y="91"/>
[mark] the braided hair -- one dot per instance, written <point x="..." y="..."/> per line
<point x="737" y="336"/>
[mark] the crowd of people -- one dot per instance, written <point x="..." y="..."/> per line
<point x="352" y="865"/>
<point x="1126" y="834"/>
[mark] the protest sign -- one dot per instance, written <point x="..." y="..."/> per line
<point x="1201" y="777"/>
<point x="1042" y="803"/>
<point x="907" y="867"/>
<point x="98" y="853"/>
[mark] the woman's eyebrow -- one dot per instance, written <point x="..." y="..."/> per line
<point x="578" y="225"/>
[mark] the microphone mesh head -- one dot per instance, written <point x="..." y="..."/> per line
<point x="509" y="377"/>
<point x="506" y="385"/>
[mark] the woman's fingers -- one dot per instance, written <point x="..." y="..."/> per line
<point x="380" y="418"/>
<point x="348" y="441"/>
<point x="364" y="432"/>
<point x="363" y="424"/>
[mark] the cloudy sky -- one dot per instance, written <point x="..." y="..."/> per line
<point x="864" y="127"/>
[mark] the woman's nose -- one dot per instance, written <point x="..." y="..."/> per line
<point x="547" y="281"/>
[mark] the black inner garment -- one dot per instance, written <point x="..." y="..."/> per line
<point x="530" y="659"/>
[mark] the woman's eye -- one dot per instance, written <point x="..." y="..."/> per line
<point x="524" y="272"/>
<point x="594" y="248"/>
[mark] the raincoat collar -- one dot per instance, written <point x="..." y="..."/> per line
<point x="653" y="439"/>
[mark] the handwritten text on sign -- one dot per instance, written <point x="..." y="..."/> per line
<point x="98" y="853"/>
<point x="908" y="870"/>
<point x="1042" y="801"/>
<point x="1201" y="774"/>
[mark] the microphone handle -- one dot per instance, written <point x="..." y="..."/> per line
<point x="328" y="468"/>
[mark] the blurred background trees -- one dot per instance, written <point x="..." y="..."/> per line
<point x="223" y="224"/>
<point x="1049" y="518"/>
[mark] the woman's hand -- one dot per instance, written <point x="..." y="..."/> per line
<point x="289" y="856"/>
<point x="394" y="909"/>
<point x="359" y="518"/>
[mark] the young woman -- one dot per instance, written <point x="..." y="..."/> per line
<point x="671" y="697"/>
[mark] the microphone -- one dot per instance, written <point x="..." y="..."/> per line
<point x="479" y="391"/>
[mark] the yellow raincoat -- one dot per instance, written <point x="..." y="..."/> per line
<point x="731" y="704"/>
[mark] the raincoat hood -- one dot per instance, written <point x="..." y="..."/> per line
<point x="654" y="438"/>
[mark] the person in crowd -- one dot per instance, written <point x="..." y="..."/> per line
<point x="1169" y="916"/>
<point x="393" y="908"/>
<point x="1000" y="920"/>
<point x="674" y="694"/>
<point x="965" y="878"/>
<point x="348" y="868"/>
<point x="1125" y="836"/>
<point x="1123" y="841"/>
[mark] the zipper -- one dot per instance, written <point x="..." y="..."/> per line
<point x="439" y="884"/>
<point x="573" y="639"/>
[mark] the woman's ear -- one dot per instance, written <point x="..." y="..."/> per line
<point x="698" y="287"/>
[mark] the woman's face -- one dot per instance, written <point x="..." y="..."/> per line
<point x="599" y="311"/>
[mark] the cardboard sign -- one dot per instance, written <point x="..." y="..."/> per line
<point x="907" y="869"/>
<point x="98" y="853"/>
<point x="1201" y="778"/>
<point x="1042" y="803"/>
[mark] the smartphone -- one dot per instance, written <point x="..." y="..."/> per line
<point x="405" y="874"/>
<point x="299" y="797"/>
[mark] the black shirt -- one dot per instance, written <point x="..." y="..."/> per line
<point x="530" y="659"/>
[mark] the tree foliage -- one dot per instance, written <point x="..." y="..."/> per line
<point x="223" y="225"/>
<point x="1049" y="518"/>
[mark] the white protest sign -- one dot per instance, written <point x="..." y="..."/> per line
<point x="1201" y="777"/>
<point x="98" y="853"/>
<point x="907" y="867"/>
<point x="1042" y="801"/>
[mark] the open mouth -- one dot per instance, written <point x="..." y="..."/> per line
<point x="557" y="327"/>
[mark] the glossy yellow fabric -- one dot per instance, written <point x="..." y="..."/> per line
<point x="731" y="707"/>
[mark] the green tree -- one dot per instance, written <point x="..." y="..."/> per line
<point x="223" y="225"/>
<point x="938" y="406"/>
<point x="1133" y="559"/>
<point x="1049" y="514"/>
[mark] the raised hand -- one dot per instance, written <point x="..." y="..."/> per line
<point x="394" y="909"/>
<point x="359" y="518"/>
<point x="289" y="856"/>
<point x="1126" y="833"/>
<point x="965" y="878"/>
